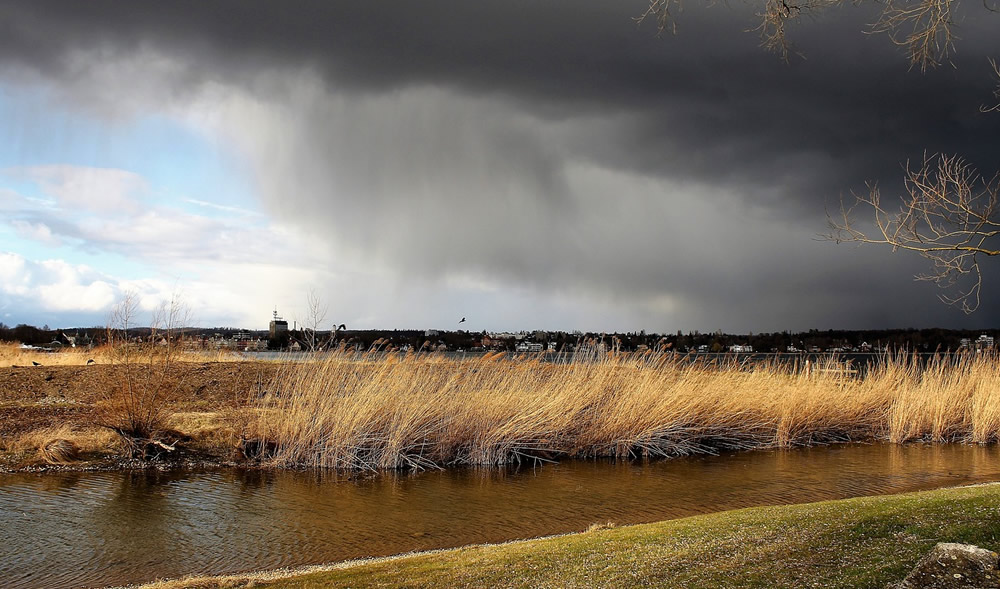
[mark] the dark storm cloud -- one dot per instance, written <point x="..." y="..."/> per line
<point x="710" y="87"/>
<point x="558" y="146"/>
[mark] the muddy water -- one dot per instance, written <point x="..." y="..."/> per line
<point x="95" y="529"/>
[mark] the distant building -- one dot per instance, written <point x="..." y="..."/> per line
<point x="278" y="327"/>
<point x="981" y="343"/>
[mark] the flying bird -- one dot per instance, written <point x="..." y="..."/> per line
<point x="463" y="320"/>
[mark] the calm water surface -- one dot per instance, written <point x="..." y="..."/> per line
<point x="96" y="529"/>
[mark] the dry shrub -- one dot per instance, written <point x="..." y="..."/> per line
<point x="135" y="407"/>
<point x="378" y="411"/>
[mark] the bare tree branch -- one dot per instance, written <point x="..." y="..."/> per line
<point x="660" y="11"/>
<point x="925" y="28"/>
<point x="996" y="92"/>
<point x="949" y="214"/>
<point x="775" y="14"/>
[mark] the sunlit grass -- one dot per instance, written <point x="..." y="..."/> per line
<point x="85" y="439"/>
<point x="379" y="411"/>
<point x="12" y="354"/>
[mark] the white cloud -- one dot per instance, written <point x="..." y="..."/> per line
<point x="101" y="210"/>
<point x="9" y="200"/>
<point x="102" y="190"/>
<point x="39" y="232"/>
<point x="15" y="277"/>
<point x="54" y="285"/>
<point x="224" y="294"/>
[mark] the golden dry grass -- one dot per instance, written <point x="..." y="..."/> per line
<point x="54" y="442"/>
<point x="11" y="354"/>
<point x="209" y="430"/>
<point x="386" y="411"/>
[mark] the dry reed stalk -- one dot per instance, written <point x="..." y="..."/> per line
<point x="985" y="407"/>
<point x="375" y="410"/>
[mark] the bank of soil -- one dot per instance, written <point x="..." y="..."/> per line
<point x="34" y="398"/>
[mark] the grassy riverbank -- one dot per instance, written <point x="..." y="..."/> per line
<point x="373" y="411"/>
<point x="856" y="543"/>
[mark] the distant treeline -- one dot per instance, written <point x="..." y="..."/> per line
<point x="918" y="340"/>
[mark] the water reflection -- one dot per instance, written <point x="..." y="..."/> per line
<point x="93" y="529"/>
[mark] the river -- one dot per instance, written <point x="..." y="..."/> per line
<point x="68" y="530"/>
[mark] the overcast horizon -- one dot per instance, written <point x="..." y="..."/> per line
<point x="526" y="165"/>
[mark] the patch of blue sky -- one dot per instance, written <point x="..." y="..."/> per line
<point x="183" y="167"/>
<point x="24" y="187"/>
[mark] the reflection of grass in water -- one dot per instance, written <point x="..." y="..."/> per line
<point x="863" y="542"/>
<point x="385" y="411"/>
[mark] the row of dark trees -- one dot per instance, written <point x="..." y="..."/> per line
<point x="920" y="340"/>
<point x="37" y="336"/>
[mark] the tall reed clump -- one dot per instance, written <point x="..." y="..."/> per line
<point x="952" y="398"/>
<point x="384" y="410"/>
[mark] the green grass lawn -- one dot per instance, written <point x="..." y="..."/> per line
<point x="864" y="542"/>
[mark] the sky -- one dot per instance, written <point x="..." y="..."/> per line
<point x="525" y="164"/>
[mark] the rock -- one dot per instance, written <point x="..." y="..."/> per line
<point x="953" y="566"/>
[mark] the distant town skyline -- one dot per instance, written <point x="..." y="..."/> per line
<point x="523" y="165"/>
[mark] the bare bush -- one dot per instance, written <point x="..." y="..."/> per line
<point x="134" y="405"/>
